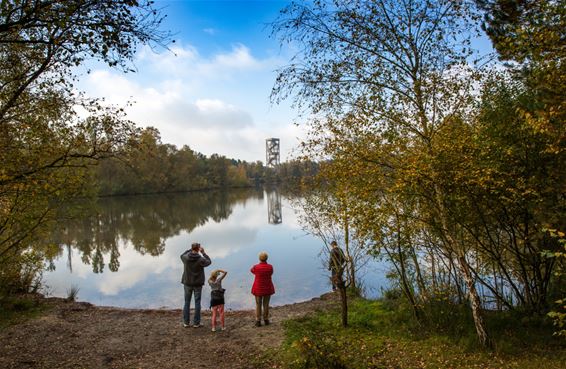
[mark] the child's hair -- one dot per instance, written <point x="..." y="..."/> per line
<point x="214" y="275"/>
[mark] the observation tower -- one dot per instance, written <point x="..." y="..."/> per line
<point x="272" y="152"/>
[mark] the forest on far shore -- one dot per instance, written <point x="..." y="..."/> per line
<point x="150" y="166"/>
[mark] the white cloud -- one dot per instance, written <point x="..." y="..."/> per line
<point x="239" y="58"/>
<point x="186" y="61"/>
<point x="210" y="31"/>
<point x="212" y="105"/>
<point x="216" y="104"/>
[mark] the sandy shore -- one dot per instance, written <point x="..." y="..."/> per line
<point x="81" y="335"/>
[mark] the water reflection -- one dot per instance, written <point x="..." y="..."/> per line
<point x="127" y="253"/>
<point x="274" y="213"/>
<point x="144" y="222"/>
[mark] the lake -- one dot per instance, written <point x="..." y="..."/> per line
<point x="127" y="254"/>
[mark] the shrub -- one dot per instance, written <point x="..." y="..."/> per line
<point x="72" y="293"/>
<point x="21" y="274"/>
<point x="319" y="352"/>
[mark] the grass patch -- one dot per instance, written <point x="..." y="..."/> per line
<point x="384" y="335"/>
<point x="17" y="309"/>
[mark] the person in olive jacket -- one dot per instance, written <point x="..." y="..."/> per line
<point x="193" y="280"/>
<point x="336" y="264"/>
<point x="262" y="288"/>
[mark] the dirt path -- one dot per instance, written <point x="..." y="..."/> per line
<point x="80" y="335"/>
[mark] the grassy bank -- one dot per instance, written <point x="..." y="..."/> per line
<point x="382" y="334"/>
<point x="19" y="308"/>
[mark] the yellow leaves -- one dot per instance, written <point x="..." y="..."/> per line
<point x="554" y="233"/>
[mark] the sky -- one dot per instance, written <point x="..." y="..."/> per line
<point x="211" y="90"/>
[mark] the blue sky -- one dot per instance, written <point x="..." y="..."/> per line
<point x="211" y="90"/>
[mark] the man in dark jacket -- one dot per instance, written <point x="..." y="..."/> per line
<point x="193" y="280"/>
<point x="336" y="264"/>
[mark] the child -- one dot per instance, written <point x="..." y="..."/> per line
<point x="217" y="296"/>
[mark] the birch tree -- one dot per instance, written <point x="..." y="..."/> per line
<point x="381" y="80"/>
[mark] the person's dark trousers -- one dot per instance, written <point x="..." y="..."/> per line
<point x="187" y="308"/>
<point x="337" y="276"/>
<point x="262" y="306"/>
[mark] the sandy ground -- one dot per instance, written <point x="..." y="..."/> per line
<point x="80" y="335"/>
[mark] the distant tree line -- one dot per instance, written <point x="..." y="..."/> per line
<point x="150" y="166"/>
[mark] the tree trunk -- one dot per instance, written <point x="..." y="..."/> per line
<point x="475" y="303"/>
<point x="474" y="298"/>
<point x="418" y="275"/>
<point x="433" y="272"/>
<point x="343" y="300"/>
<point x="404" y="280"/>
<point x="350" y="265"/>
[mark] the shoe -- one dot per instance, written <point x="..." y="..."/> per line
<point x="197" y="325"/>
<point x="266" y="321"/>
<point x="185" y="325"/>
<point x="223" y="329"/>
<point x="213" y="329"/>
<point x="257" y="323"/>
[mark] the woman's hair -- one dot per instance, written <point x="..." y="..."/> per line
<point x="263" y="256"/>
<point x="214" y="275"/>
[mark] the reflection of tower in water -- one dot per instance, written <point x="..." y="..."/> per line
<point x="272" y="155"/>
<point x="274" y="214"/>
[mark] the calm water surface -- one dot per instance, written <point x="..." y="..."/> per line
<point x="127" y="255"/>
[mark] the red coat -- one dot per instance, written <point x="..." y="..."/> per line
<point x="263" y="286"/>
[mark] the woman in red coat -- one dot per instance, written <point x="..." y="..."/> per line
<point x="262" y="288"/>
